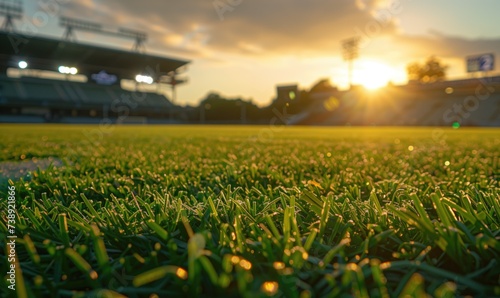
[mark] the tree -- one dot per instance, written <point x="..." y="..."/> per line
<point x="323" y="85"/>
<point x="431" y="71"/>
<point x="216" y="108"/>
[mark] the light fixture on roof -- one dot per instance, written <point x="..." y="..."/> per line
<point x="144" y="79"/>
<point x="72" y="25"/>
<point x="68" y="70"/>
<point x="22" y="64"/>
<point x="11" y="11"/>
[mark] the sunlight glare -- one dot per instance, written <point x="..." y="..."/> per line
<point x="372" y="74"/>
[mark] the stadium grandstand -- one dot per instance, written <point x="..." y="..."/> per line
<point x="468" y="102"/>
<point x="43" y="79"/>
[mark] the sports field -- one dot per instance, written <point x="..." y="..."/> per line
<point x="221" y="211"/>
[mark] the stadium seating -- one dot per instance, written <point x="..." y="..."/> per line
<point x="8" y="89"/>
<point x="423" y="105"/>
<point x="28" y="91"/>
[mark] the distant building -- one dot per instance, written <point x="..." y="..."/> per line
<point x="286" y="93"/>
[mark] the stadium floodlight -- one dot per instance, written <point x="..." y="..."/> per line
<point x="139" y="36"/>
<point x="132" y="33"/>
<point x="22" y="64"/>
<point x="79" y="24"/>
<point x="73" y="24"/>
<point x="144" y="79"/>
<point x="68" y="70"/>
<point x="350" y="51"/>
<point x="11" y="11"/>
<point x="14" y="9"/>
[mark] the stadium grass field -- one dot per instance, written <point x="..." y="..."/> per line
<point x="227" y="211"/>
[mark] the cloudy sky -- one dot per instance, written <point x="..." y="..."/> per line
<point x="246" y="47"/>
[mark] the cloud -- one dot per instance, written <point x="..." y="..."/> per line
<point x="260" y="27"/>
<point x="442" y="45"/>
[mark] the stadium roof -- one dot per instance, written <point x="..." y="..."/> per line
<point x="46" y="53"/>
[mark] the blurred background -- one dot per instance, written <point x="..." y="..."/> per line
<point x="240" y="62"/>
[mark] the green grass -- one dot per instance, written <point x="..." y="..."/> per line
<point x="256" y="211"/>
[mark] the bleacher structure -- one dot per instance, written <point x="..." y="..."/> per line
<point x="57" y="100"/>
<point x="32" y="97"/>
<point x="469" y="102"/>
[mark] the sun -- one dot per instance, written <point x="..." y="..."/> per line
<point x="372" y="74"/>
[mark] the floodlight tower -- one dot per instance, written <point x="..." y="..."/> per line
<point x="75" y="24"/>
<point x="140" y="38"/>
<point x="350" y="52"/>
<point x="11" y="11"/>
